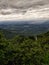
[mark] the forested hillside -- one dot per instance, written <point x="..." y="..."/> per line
<point x="24" y="50"/>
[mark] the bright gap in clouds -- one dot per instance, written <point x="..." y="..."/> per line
<point x="29" y="15"/>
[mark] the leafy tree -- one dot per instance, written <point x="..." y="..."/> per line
<point x="22" y="50"/>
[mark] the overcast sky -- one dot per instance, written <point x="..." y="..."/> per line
<point x="24" y="9"/>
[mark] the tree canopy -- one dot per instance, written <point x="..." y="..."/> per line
<point x="22" y="50"/>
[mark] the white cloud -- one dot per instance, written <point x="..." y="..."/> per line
<point x="41" y="10"/>
<point x="29" y="15"/>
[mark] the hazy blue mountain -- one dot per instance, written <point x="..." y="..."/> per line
<point x="25" y="28"/>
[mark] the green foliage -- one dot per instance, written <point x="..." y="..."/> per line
<point x="22" y="50"/>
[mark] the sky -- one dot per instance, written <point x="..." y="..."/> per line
<point x="24" y="10"/>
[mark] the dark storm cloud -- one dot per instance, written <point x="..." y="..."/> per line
<point x="22" y="4"/>
<point x="24" y="9"/>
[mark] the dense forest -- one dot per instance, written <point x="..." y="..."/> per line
<point x="24" y="50"/>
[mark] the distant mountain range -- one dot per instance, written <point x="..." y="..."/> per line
<point x="25" y="28"/>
